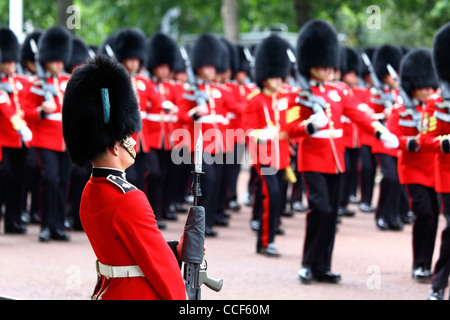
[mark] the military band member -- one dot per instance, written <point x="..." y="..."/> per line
<point x="100" y="115"/>
<point x="264" y="123"/>
<point x="15" y="134"/>
<point x="435" y="138"/>
<point x="415" y="166"/>
<point x="321" y="149"/>
<point x="44" y="116"/>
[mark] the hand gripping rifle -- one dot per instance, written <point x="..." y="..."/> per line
<point x="317" y="104"/>
<point x="48" y="91"/>
<point x="194" y="274"/>
<point x="386" y="98"/>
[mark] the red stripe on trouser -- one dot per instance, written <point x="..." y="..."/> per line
<point x="265" y="222"/>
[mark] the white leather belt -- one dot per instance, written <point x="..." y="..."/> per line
<point x="214" y="118"/>
<point x="119" y="271"/>
<point x="156" y="117"/>
<point x="326" y="133"/>
<point x="54" y="116"/>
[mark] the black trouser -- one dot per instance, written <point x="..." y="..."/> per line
<point x="323" y="198"/>
<point x="368" y="171"/>
<point x="442" y="268"/>
<point x="11" y="182"/>
<point x="269" y="200"/>
<point x="233" y="170"/>
<point x="350" y="176"/>
<point x="78" y="177"/>
<point x="54" y="174"/>
<point x="211" y="185"/>
<point x="31" y="183"/>
<point x="424" y="203"/>
<point x="158" y="161"/>
<point x="181" y="174"/>
<point x="390" y="190"/>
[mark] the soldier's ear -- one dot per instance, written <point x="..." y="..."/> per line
<point x="116" y="149"/>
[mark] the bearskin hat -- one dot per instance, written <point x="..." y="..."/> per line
<point x="206" y="51"/>
<point x="243" y="62"/>
<point x="9" y="45"/>
<point x="232" y="54"/>
<point x="384" y="55"/>
<point x="110" y="41"/>
<point x="441" y="52"/>
<point x="369" y="52"/>
<point x="317" y="46"/>
<point x="99" y="109"/>
<point x="130" y="43"/>
<point x="26" y="54"/>
<point x="55" y="45"/>
<point x="416" y="70"/>
<point x="161" y="49"/>
<point x="80" y="53"/>
<point x="353" y="61"/>
<point x="271" y="59"/>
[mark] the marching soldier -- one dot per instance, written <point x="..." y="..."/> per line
<point x="100" y="115"/>
<point x="264" y="123"/>
<point x="212" y="116"/>
<point x="392" y="198"/>
<point x="161" y="123"/>
<point x="130" y="49"/>
<point x="321" y="149"/>
<point x="15" y="134"/>
<point x="415" y="166"/>
<point x="435" y="138"/>
<point x="44" y="116"/>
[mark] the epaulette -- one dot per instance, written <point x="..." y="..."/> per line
<point x="123" y="185"/>
<point x="252" y="94"/>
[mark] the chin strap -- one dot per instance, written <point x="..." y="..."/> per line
<point x="127" y="143"/>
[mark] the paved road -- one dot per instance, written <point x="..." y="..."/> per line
<point x="375" y="265"/>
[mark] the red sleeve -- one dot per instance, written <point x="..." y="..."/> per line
<point x="431" y="129"/>
<point x="135" y="222"/>
<point x="297" y="119"/>
<point x="392" y="125"/>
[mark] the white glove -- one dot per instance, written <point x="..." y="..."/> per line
<point x="26" y="134"/>
<point x="268" y="133"/>
<point x="319" y="120"/>
<point x="167" y="105"/>
<point x="390" y="141"/>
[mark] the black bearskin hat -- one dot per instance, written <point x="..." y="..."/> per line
<point x="243" y="62"/>
<point x="90" y="127"/>
<point x="232" y="52"/>
<point x="80" y="53"/>
<point x="441" y="52"/>
<point x="206" y="51"/>
<point x="271" y="59"/>
<point x="130" y="43"/>
<point x="369" y="52"/>
<point x="416" y="70"/>
<point x="9" y="45"/>
<point x="110" y="41"/>
<point x="384" y="55"/>
<point x="353" y="61"/>
<point x="55" y="45"/>
<point x="317" y="46"/>
<point x="161" y="49"/>
<point x="26" y="54"/>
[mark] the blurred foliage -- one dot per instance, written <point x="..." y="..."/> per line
<point x="405" y="22"/>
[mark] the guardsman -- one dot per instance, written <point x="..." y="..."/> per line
<point x="415" y="166"/>
<point x="392" y="198"/>
<point x="435" y="137"/>
<point x="15" y="134"/>
<point x="44" y="116"/>
<point x="100" y="115"/>
<point x="206" y="55"/>
<point x="321" y="149"/>
<point x="130" y="49"/>
<point x="78" y="176"/>
<point x="265" y="126"/>
<point x="161" y="123"/>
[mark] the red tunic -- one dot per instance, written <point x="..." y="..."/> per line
<point x="323" y="150"/>
<point x="47" y="131"/>
<point x="121" y="227"/>
<point x="13" y="104"/>
<point x="413" y="167"/>
<point x="434" y="128"/>
<point x="264" y="111"/>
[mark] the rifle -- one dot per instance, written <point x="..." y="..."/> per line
<point x="386" y="98"/>
<point x="407" y="102"/>
<point x="199" y="96"/>
<point x="445" y="94"/>
<point x="48" y="91"/>
<point x="194" y="274"/>
<point x="317" y="104"/>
